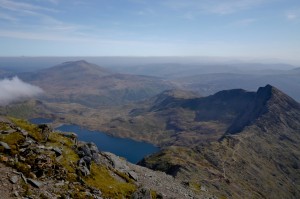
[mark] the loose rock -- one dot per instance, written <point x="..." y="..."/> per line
<point x="35" y="183"/>
<point x="5" y="145"/>
<point x="14" y="179"/>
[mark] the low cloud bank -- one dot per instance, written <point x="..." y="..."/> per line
<point x="14" y="89"/>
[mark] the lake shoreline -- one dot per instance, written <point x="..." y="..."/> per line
<point x="131" y="149"/>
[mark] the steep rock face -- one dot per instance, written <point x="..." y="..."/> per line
<point x="269" y="100"/>
<point x="222" y="106"/>
<point x="257" y="157"/>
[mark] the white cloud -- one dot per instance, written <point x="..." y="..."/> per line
<point x="15" y="89"/>
<point x="21" y="7"/>
<point x="292" y="15"/>
<point x="214" y="6"/>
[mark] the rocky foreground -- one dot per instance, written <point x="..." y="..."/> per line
<point x="36" y="162"/>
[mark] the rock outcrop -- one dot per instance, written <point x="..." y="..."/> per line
<point x="59" y="166"/>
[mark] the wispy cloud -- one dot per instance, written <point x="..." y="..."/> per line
<point x="244" y="22"/>
<point x="147" y="11"/>
<point x="36" y="22"/>
<point x="15" y="89"/>
<point x="292" y="15"/>
<point x="22" y="7"/>
<point x="214" y="6"/>
<point x="43" y="36"/>
<point x="8" y="17"/>
<point x="54" y="1"/>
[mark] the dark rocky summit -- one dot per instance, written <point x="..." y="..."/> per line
<point x="257" y="155"/>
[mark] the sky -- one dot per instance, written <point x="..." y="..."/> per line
<point x="224" y="28"/>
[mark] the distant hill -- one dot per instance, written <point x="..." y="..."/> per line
<point x="257" y="156"/>
<point x="88" y="84"/>
<point x="175" y="119"/>
<point x="296" y="70"/>
<point x="207" y="84"/>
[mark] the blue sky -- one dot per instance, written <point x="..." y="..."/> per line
<point x="226" y="28"/>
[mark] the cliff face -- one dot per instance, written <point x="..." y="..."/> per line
<point x="268" y="100"/>
<point x="257" y="156"/>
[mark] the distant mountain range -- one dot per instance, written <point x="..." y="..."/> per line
<point x="207" y="84"/>
<point x="93" y="86"/>
<point x="234" y="143"/>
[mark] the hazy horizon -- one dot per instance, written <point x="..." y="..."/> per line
<point x="252" y="29"/>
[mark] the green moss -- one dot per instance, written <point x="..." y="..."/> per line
<point x="4" y="127"/>
<point x="195" y="186"/>
<point x="12" y="138"/>
<point x="55" y="137"/>
<point x="109" y="186"/>
<point x="32" y="129"/>
<point x="70" y="158"/>
<point x="153" y="194"/>
<point x="21" y="167"/>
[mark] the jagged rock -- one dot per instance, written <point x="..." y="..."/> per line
<point x="24" y="178"/>
<point x="59" y="184"/>
<point x="203" y="188"/>
<point x="117" y="163"/>
<point x="93" y="147"/>
<point x="142" y="193"/>
<point x="84" y="171"/>
<point x="35" y="183"/>
<point x="57" y="151"/>
<point x="85" y="149"/>
<point x="8" y="131"/>
<point x="28" y="142"/>
<point x="16" y="194"/>
<point x="96" y="158"/>
<point x="72" y="136"/>
<point x="14" y="179"/>
<point x="5" y="145"/>
<point x="24" y="133"/>
<point x="96" y="191"/>
<point x="41" y="147"/>
<point x="88" y="161"/>
<point x="133" y="175"/>
<point x="45" y="130"/>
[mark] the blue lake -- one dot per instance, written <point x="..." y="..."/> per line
<point x="130" y="149"/>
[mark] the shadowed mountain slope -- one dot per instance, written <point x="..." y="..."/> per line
<point x="258" y="157"/>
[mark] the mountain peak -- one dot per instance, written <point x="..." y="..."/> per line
<point x="269" y="100"/>
<point x="78" y="62"/>
<point x="77" y="69"/>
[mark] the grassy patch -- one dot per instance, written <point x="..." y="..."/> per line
<point x="32" y="129"/>
<point x="70" y="158"/>
<point x="110" y="187"/>
<point x="12" y="138"/>
<point x="4" y="127"/>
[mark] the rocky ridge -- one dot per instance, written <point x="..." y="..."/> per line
<point x="257" y="157"/>
<point x="36" y="162"/>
